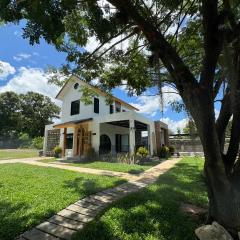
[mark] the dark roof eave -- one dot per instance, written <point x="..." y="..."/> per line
<point x="73" y="122"/>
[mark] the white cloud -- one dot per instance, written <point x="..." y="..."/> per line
<point x="151" y="105"/>
<point x="174" y="125"/>
<point x="31" y="79"/>
<point x="21" y="56"/>
<point x="5" y="70"/>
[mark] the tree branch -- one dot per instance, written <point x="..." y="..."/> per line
<point x="212" y="43"/>
<point x="223" y="119"/>
<point x="172" y="61"/>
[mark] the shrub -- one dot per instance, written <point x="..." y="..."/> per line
<point x="142" y="152"/>
<point x="37" y="143"/>
<point x="24" y="139"/>
<point x="91" y="154"/>
<point x="164" y="152"/>
<point x="171" y="150"/>
<point x="57" y="151"/>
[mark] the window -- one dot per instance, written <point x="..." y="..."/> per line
<point x="69" y="141"/>
<point x="75" y="107"/>
<point x="118" y="106"/>
<point x="76" y="85"/>
<point x="111" y="109"/>
<point x="96" y="105"/>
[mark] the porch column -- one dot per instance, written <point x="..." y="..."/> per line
<point x="75" y="146"/>
<point x="150" y="139"/>
<point x="131" y="136"/>
<point x="45" y="142"/>
<point x="96" y="136"/>
<point x="64" y="141"/>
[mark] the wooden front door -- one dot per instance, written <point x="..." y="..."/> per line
<point x="80" y="144"/>
<point x="83" y="141"/>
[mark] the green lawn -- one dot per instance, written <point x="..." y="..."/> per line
<point x="31" y="194"/>
<point x="118" y="167"/>
<point x="153" y="213"/>
<point x="17" y="153"/>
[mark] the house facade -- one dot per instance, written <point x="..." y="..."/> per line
<point x="99" y="126"/>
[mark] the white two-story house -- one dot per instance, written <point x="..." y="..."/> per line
<point x="113" y="128"/>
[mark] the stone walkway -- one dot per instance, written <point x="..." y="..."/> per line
<point x="19" y="160"/>
<point x="34" y="161"/>
<point x="74" y="217"/>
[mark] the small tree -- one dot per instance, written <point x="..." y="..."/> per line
<point x="37" y="143"/>
<point x="25" y="141"/>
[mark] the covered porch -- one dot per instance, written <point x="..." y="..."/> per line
<point x="123" y="132"/>
<point x="75" y="137"/>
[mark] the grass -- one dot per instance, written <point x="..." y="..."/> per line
<point x="31" y="194"/>
<point x="118" y="167"/>
<point x="153" y="213"/>
<point x="17" y="153"/>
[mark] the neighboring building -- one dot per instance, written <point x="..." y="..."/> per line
<point x="106" y="128"/>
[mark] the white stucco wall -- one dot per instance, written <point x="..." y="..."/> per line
<point x="86" y="111"/>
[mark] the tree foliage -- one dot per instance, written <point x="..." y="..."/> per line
<point x="28" y="113"/>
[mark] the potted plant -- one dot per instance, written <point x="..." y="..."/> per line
<point x="57" y="151"/>
<point x="142" y="152"/>
<point x="164" y="152"/>
<point x="171" y="150"/>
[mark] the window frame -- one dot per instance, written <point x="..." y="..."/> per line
<point x="72" y="110"/>
<point x="96" y="105"/>
<point x="111" y="109"/>
<point x="118" y="107"/>
<point x="69" y="145"/>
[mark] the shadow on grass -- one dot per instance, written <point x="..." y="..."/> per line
<point x="153" y="213"/>
<point x="136" y="171"/>
<point x="16" y="219"/>
<point x="87" y="186"/>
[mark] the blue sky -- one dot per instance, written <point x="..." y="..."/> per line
<point x="24" y="71"/>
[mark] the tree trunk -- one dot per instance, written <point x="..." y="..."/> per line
<point x="223" y="191"/>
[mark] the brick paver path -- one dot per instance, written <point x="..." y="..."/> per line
<point x="19" y="160"/>
<point x="74" y="217"/>
<point x="34" y="161"/>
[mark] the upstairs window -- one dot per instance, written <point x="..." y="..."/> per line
<point x="75" y="107"/>
<point x="76" y="85"/>
<point x="111" y="109"/>
<point x="118" y="106"/>
<point x="96" y="105"/>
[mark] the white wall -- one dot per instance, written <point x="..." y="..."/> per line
<point x="112" y="130"/>
<point x="86" y="111"/>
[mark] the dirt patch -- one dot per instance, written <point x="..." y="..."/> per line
<point x="193" y="210"/>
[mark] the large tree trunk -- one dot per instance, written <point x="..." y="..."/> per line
<point x="198" y="96"/>
<point x="223" y="189"/>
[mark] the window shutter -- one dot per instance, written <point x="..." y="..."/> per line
<point x="96" y="105"/>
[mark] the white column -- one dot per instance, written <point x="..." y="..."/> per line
<point x="131" y="136"/>
<point x="150" y="139"/>
<point x="45" y="141"/>
<point x="96" y="136"/>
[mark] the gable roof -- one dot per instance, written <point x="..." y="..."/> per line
<point x="99" y="91"/>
